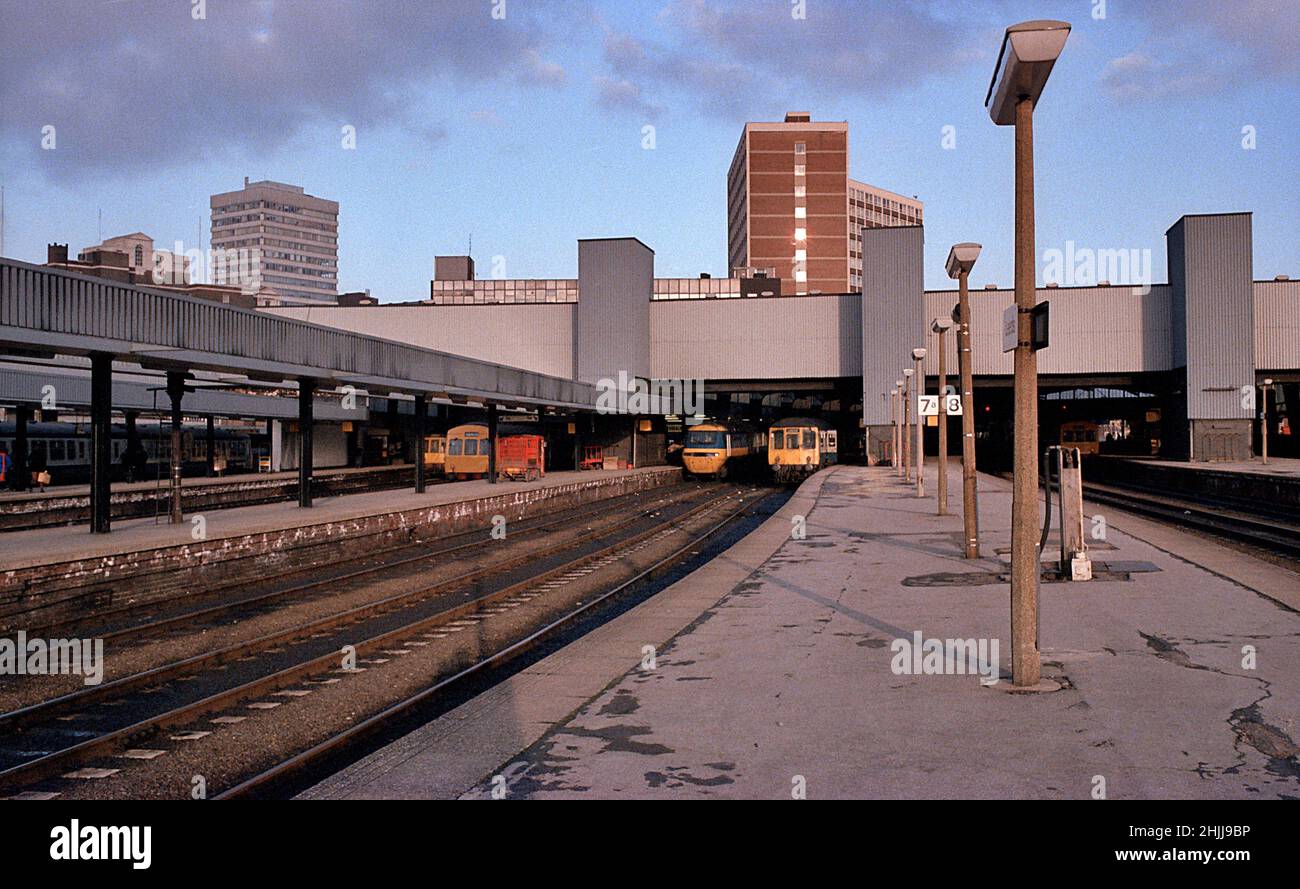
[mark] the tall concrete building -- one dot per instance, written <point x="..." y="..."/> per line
<point x="288" y="240"/>
<point x="793" y="212"/>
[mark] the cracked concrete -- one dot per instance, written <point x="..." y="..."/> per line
<point x="788" y="680"/>
<point x="773" y="674"/>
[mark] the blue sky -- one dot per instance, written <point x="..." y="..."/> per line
<point x="526" y="132"/>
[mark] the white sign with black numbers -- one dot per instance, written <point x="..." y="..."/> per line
<point x="928" y="405"/>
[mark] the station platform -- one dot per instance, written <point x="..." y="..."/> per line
<point x="141" y="554"/>
<point x="776" y="670"/>
<point x="70" y="504"/>
<point x="1285" y="467"/>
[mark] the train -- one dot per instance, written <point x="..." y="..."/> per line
<point x="63" y="450"/>
<point x="718" y="449"/>
<point x="1082" y="434"/>
<point x="520" y="453"/>
<point x="799" y="446"/>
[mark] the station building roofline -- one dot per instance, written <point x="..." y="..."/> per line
<point x="1207" y="216"/>
<point x="615" y="238"/>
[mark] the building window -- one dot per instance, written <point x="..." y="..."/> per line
<point x="139" y="255"/>
<point x="799" y="169"/>
<point x="801" y="234"/>
<point x="800" y="191"/>
<point x="801" y="212"/>
<point x="800" y="147"/>
<point x="800" y="255"/>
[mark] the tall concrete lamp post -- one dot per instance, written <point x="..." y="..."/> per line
<point x="907" y="422"/>
<point x="940" y="326"/>
<point x="898" y="428"/>
<point x="893" y="427"/>
<point x="961" y="259"/>
<point x="1029" y="50"/>
<point x="918" y="355"/>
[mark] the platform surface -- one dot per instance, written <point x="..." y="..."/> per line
<point x="774" y="674"/>
<point x="39" y="546"/>
<point x="55" y="492"/>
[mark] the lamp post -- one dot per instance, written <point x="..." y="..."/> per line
<point x="918" y="355"/>
<point x="907" y="422"/>
<point x="893" y="428"/>
<point x="940" y="326"/>
<point x="1029" y="50"/>
<point x="961" y="259"/>
<point x="1263" y="429"/>
<point x="898" y="428"/>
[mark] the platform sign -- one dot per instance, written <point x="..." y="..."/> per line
<point x="1010" y="331"/>
<point x="1038" y="327"/>
<point x="928" y="405"/>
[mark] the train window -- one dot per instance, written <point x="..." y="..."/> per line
<point x="81" y="450"/>
<point x="471" y="447"/>
<point x="792" y="439"/>
<point x="810" y="439"/>
<point x="698" y="438"/>
<point x="776" y="440"/>
<point x="453" y="447"/>
<point x="830" y="441"/>
<point x="56" y="449"/>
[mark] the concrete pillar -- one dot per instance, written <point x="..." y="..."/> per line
<point x="421" y="415"/>
<point x="176" y="392"/>
<point x="212" y="445"/>
<point x="101" y="443"/>
<point x="492" y="444"/>
<point x="306" y="422"/>
<point x="21" y="479"/>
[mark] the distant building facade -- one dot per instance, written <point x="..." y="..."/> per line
<point x="793" y="212"/>
<point x="290" y="236"/>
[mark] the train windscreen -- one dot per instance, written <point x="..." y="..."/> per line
<point x="701" y="439"/>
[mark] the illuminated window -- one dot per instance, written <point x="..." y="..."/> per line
<point x="800" y="255"/>
<point x="801" y="212"/>
<point x="801" y="234"/>
<point x="800" y="191"/>
<point x="800" y="277"/>
<point x="799" y="169"/>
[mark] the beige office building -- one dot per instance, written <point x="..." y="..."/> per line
<point x="291" y="239"/>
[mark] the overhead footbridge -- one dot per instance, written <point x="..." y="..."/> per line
<point x="45" y="313"/>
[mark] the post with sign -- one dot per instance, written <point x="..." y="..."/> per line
<point x="961" y="259"/>
<point x="939" y="326"/>
<point x="918" y="355"/>
<point x="1029" y="50"/>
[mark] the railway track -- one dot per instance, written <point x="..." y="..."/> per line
<point x="1272" y="534"/>
<point x="59" y="734"/>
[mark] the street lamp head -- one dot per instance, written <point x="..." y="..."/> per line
<point x="1029" y="50"/>
<point x="1268" y="381"/>
<point x="918" y="354"/>
<point x="907" y="372"/>
<point x="961" y="259"/>
<point x="898" y="383"/>
<point x="893" y="393"/>
<point x="939" y="325"/>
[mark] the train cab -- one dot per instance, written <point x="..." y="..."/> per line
<point x="715" y="450"/>
<point x="799" y="446"/>
<point x="435" y="454"/>
<point x="467" y="451"/>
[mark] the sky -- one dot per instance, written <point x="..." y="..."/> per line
<point x="521" y="125"/>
